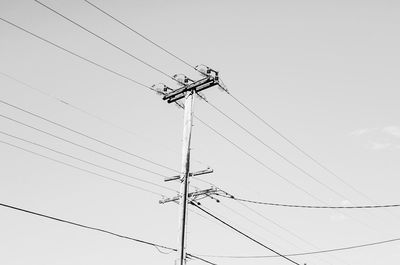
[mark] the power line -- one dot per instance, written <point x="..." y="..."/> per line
<point x="101" y="119"/>
<point x="87" y="136"/>
<point x="268" y="220"/>
<point x="77" y="55"/>
<point x="235" y="98"/>
<point x="105" y="40"/>
<point x="81" y="169"/>
<point x="86" y="162"/>
<point x="156" y="245"/>
<point x="255" y="223"/>
<point x="230" y="94"/>
<point x="275" y="172"/>
<point x="257" y="160"/>
<point x="273" y="150"/>
<point x="310" y="252"/>
<point x="311" y="206"/>
<point x="83" y="147"/>
<point x="243" y="234"/>
<point x="301" y="150"/>
<point x="258" y="139"/>
<point x="139" y="34"/>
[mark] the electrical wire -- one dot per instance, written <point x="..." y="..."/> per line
<point x="83" y="147"/>
<point x="77" y="55"/>
<point x="310" y="252"/>
<point x="311" y="206"/>
<point x="243" y="234"/>
<point x="257" y="160"/>
<point x="105" y="40"/>
<point x="86" y="162"/>
<point x="238" y="101"/>
<point x="288" y="231"/>
<point x="87" y="136"/>
<point x="278" y="174"/>
<point x="156" y="245"/>
<point x="256" y="224"/>
<point x="266" y="219"/>
<point x="81" y="169"/>
<point x="139" y="34"/>
<point x="259" y="118"/>
<point x="301" y="150"/>
<point x="275" y="151"/>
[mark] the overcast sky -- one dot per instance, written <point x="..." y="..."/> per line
<point x="323" y="73"/>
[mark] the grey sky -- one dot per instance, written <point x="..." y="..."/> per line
<point x="325" y="73"/>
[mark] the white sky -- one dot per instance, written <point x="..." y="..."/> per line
<point x="324" y="73"/>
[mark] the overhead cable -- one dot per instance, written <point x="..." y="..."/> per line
<point x="243" y="234"/>
<point x="81" y="169"/>
<point x="82" y="146"/>
<point x="105" y="40"/>
<point x="87" y="162"/>
<point x="307" y="253"/>
<point x="156" y="245"/>
<point x="139" y="34"/>
<point x="257" y="160"/>
<point x="311" y="206"/>
<point x="275" y="151"/>
<point x="87" y="136"/>
<point x="77" y="55"/>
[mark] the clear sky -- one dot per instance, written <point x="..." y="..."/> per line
<point x="324" y="73"/>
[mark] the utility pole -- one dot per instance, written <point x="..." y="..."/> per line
<point x="183" y="202"/>
<point x="187" y="92"/>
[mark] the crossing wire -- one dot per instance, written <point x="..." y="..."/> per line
<point x="243" y="234"/>
<point x="268" y="220"/>
<point x="156" y="245"/>
<point x="150" y="88"/>
<point x="56" y="12"/>
<point x="308" y="253"/>
<point x="301" y="150"/>
<point x="277" y="173"/>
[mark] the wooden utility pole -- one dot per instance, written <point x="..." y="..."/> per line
<point x="183" y="201"/>
<point x="187" y="92"/>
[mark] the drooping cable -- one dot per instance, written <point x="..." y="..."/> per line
<point x="311" y="206"/>
<point x="156" y="245"/>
